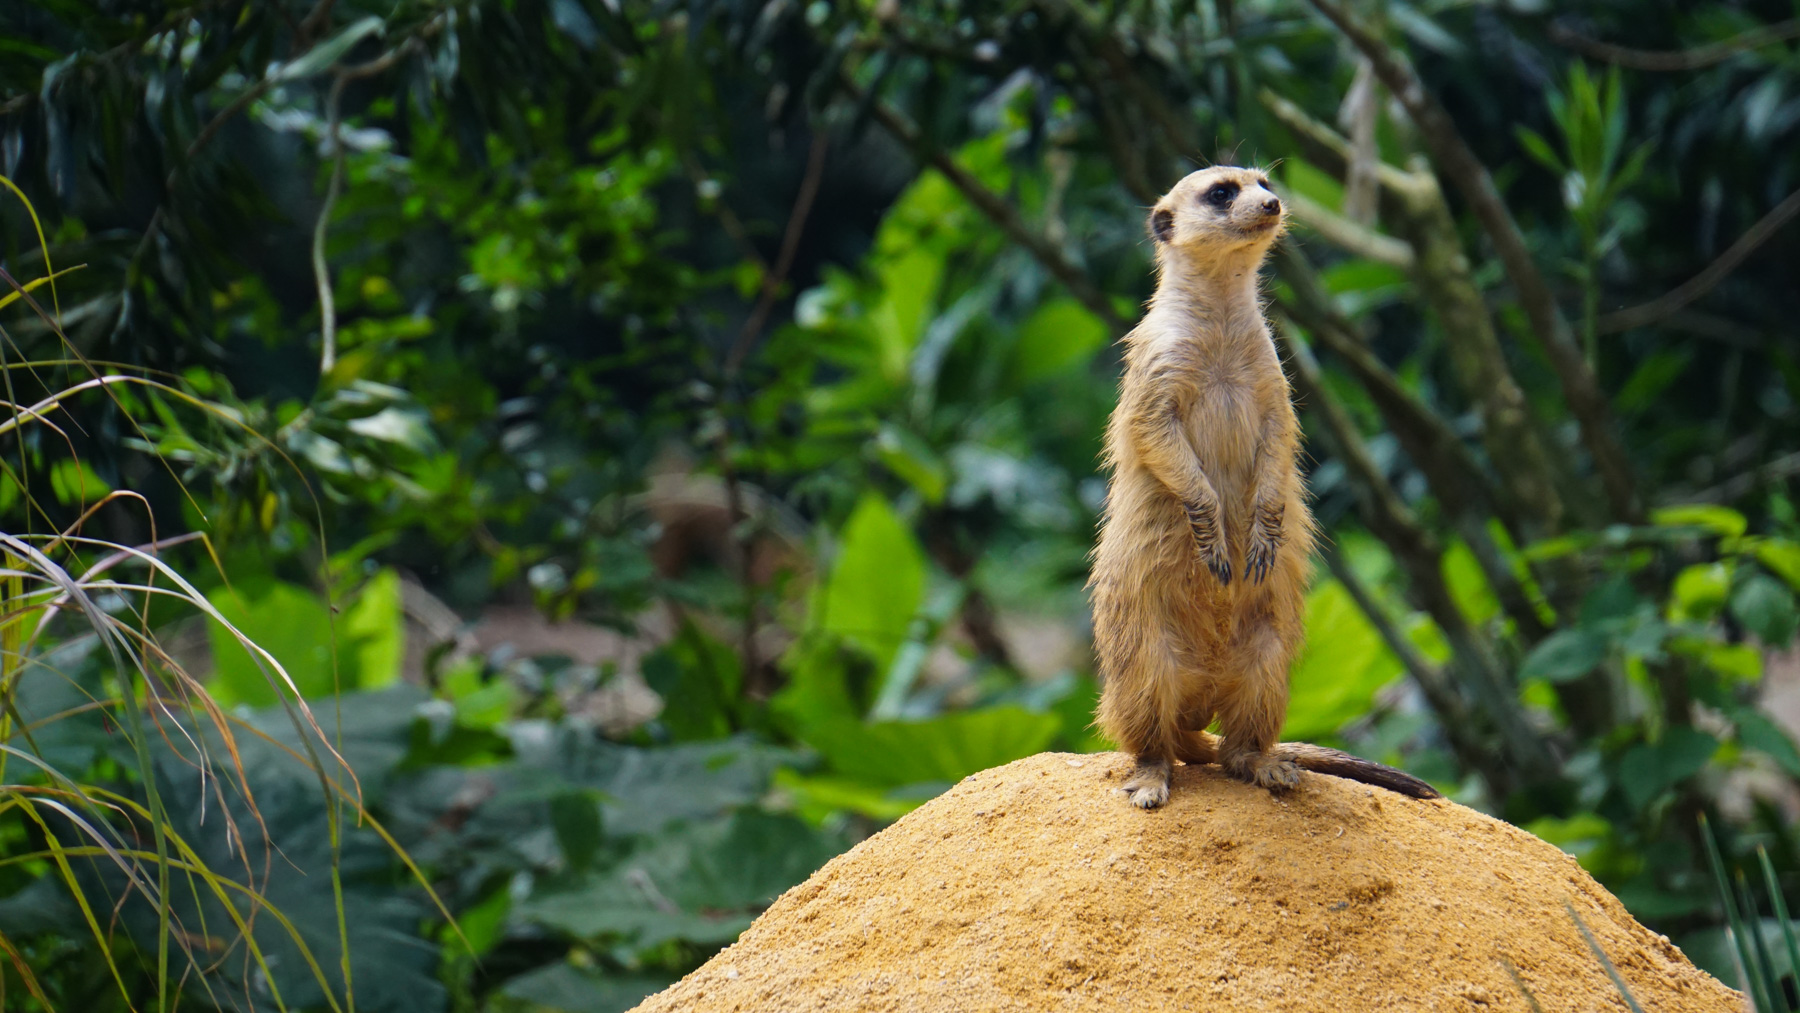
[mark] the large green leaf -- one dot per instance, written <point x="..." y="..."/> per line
<point x="1717" y="519"/>
<point x="644" y="790"/>
<point x="908" y="287"/>
<point x="878" y="581"/>
<point x="1700" y="590"/>
<point x="291" y="623"/>
<point x="1756" y="731"/>
<point x="1468" y="584"/>
<point x="1059" y="335"/>
<point x="702" y="883"/>
<point x="698" y="679"/>
<point x="1341" y="668"/>
<point x="943" y="749"/>
<point x="377" y="636"/>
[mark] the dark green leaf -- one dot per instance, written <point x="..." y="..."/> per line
<point x="1766" y="608"/>
<point x="1647" y="770"/>
<point x="1756" y="731"/>
<point x="1564" y="655"/>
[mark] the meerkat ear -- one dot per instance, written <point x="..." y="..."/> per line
<point x="1162" y="225"/>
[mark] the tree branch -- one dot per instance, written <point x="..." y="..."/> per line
<point x="1675" y="59"/>
<point x="1458" y="162"/>
<point x="1420" y="553"/>
<point x="1449" y="467"/>
<point x="1645" y="314"/>
<point x="995" y="207"/>
<point x="1352" y="237"/>
<point x="1440" y="268"/>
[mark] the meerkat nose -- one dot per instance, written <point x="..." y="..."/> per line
<point x="1272" y="205"/>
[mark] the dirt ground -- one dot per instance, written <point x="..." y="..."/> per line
<point x="1034" y="886"/>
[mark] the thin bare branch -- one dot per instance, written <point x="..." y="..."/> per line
<point x="995" y="207"/>
<point x="1348" y="235"/>
<point x="774" y="277"/>
<point x="1445" y="699"/>
<point x="1697" y="58"/>
<point x="1663" y="306"/>
<point x="1457" y="161"/>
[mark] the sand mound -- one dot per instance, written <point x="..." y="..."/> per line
<point x="1034" y="886"/>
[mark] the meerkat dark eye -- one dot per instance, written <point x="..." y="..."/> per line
<point x="1220" y="196"/>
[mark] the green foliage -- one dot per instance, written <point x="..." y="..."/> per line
<point x="877" y="583"/>
<point x="359" y="648"/>
<point x="778" y="340"/>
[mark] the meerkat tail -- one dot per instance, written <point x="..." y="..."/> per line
<point x="1203" y="747"/>
<point x="1338" y="763"/>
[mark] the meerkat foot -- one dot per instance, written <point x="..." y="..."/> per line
<point x="1148" y="786"/>
<point x="1264" y="771"/>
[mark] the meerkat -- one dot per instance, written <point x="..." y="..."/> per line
<point x="1200" y="572"/>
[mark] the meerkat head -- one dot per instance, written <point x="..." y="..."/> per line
<point x="1223" y="216"/>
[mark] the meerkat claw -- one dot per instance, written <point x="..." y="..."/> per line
<point x="1258" y="561"/>
<point x="1149" y="785"/>
<point x="1149" y="796"/>
<point x="1217" y="562"/>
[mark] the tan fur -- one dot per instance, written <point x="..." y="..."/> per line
<point x="1200" y="573"/>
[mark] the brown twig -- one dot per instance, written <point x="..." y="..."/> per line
<point x="1645" y="314"/>
<point x="774" y="277"/>
<point x="1457" y="161"/>
<point x="1696" y="58"/>
<point x="314" y="20"/>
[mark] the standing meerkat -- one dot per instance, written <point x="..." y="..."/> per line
<point x="1200" y="573"/>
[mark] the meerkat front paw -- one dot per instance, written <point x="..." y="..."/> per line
<point x="1259" y="559"/>
<point x="1265" y="542"/>
<point x="1149" y="784"/>
<point x="1209" y="539"/>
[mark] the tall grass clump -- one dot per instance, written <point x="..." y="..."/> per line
<point x="128" y="817"/>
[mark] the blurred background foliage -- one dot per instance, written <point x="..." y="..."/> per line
<point x="660" y="441"/>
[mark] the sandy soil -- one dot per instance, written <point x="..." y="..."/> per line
<point x="1034" y="886"/>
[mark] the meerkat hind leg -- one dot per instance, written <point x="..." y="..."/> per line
<point x="1251" y="720"/>
<point x="1148" y="786"/>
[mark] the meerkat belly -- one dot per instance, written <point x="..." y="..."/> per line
<point x="1224" y="432"/>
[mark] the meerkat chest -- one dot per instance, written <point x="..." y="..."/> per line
<point x="1221" y="381"/>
